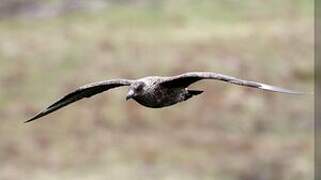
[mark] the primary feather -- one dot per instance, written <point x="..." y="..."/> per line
<point x="155" y="91"/>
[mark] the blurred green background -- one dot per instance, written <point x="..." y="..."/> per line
<point x="48" y="48"/>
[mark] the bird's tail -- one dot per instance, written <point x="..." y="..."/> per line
<point x="191" y="93"/>
<point x="195" y="92"/>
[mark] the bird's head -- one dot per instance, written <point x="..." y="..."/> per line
<point x="135" y="90"/>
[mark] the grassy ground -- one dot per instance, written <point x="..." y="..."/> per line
<point x="227" y="133"/>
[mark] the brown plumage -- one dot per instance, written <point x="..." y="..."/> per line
<point x="154" y="91"/>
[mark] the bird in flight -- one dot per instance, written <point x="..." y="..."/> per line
<point x="155" y="91"/>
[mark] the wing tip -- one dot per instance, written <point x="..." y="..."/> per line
<point x="39" y="115"/>
<point x="282" y="90"/>
<point x="29" y="120"/>
<point x="34" y="118"/>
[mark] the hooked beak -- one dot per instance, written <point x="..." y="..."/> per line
<point x="130" y="95"/>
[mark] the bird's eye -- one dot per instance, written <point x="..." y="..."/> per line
<point x="140" y="86"/>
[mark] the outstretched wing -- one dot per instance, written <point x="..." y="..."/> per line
<point x="187" y="79"/>
<point x="85" y="91"/>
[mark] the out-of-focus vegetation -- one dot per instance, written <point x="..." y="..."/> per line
<point x="48" y="48"/>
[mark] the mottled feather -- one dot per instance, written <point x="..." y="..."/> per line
<point x="155" y="91"/>
<point x="184" y="80"/>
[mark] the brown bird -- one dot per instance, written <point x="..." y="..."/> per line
<point x="155" y="91"/>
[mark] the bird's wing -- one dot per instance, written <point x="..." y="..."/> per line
<point x="85" y="91"/>
<point x="187" y="79"/>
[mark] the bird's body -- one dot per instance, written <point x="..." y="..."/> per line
<point x="155" y="96"/>
<point x="154" y="91"/>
